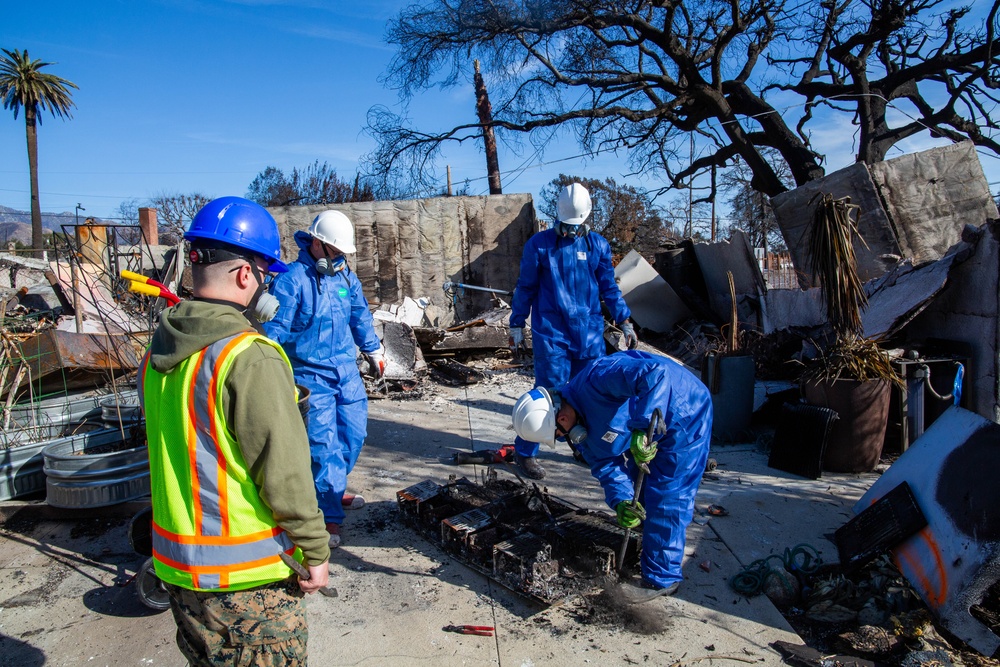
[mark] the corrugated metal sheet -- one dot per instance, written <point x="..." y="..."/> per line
<point x="86" y="473"/>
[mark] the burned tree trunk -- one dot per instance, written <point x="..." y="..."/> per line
<point x="485" y="111"/>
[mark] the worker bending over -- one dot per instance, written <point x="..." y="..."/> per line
<point x="605" y="412"/>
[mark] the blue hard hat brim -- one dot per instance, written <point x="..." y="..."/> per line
<point x="277" y="266"/>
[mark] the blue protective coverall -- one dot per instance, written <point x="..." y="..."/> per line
<point x="320" y="321"/>
<point x="614" y="395"/>
<point x="562" y="283"/>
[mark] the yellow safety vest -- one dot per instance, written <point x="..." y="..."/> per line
<point x="211" y="530"/>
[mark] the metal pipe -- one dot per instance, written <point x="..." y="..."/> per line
<point x="656" y="427"/>
<point x="450" y="286"/>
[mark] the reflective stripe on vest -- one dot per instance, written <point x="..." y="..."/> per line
<point x="213" y="558"/>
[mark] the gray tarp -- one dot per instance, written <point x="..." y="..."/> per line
<point x="411" y="248"/>
<point x="736" y="256"/>
<point x="794" y="212"/>
<point x="932" y="195"/>
<point x="912" y="206"/>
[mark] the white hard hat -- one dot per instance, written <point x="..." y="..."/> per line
<point x="574" y="204"/>
<point x="334" y="228"/>
<point x="535" y="417"/>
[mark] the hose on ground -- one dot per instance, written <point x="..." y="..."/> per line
<point x="801" y="558"/>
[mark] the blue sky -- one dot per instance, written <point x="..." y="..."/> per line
<point x="182" y="96"/>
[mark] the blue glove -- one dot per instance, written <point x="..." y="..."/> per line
<point x="631" y="340"/>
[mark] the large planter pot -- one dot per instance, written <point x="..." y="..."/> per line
<point x="856" y="438"/>
<point x="730" y="380"/>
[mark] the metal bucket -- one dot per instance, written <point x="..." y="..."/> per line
<point x="78" y="474"/>
<point x="730" y="379"/>
<point x="121" y="409"/>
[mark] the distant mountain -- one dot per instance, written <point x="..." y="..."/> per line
<point x="50" y="221"/>
<point x="16" y="225"/>
<point x="14" y="231"/>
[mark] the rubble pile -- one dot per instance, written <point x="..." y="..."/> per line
<point x="872" y="616"/>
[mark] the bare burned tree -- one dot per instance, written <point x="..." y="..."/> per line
<point x="127" y="213"/>
<point x="315" y="184"/>
<point x="623" y="214"/>
<point x="174" y="213"/>
<point x="740" y="75"/>
<point x="751" y="211"/>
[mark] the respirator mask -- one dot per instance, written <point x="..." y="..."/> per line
<point x="263" y="306"/>
<point x="578" y="433"/>
<point x="564" y="230"/>
<point x="329" y="265"/>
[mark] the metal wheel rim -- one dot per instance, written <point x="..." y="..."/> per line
<point x="151" y="590"/>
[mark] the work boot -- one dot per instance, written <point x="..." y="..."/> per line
<point x="530" y="466"/>
<point x="351" y="501"/>
<point x="334" y="530"/>
<point x="645" y="591"/>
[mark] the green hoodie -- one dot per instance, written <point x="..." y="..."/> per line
<point x="260" y="410"/>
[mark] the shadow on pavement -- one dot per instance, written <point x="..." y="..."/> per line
<point x="16" y="653"/>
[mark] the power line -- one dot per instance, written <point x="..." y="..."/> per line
<point x="70" y="194"/>
<point x="520" y="169"/>
<point x="125" y="173"/>
<point x="23" y="214"/>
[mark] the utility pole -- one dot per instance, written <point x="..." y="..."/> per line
<point x="485" y="111"/>
<point x="689" y="229"/>
<point x="713" y="203"/>
<point x="449" y="180"/>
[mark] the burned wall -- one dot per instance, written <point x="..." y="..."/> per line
<point x="794" y="212"/>
<point x="914" y="206"/>
<point x="412" y="247"/>
<point x="968" y="311"/>
<point x="932" y="195"/>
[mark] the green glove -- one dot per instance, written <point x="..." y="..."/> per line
<point x="642" y="450"/>
<point x="628" y="516"/>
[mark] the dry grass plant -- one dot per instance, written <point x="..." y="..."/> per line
<point x="831" y="254"/>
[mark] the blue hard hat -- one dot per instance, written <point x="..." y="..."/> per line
<point x="239" y="223"/>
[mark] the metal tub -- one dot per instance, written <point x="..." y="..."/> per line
<point x="57" y="411"/>
<point x="22" y="466"/>
<point x="80" y="474"/>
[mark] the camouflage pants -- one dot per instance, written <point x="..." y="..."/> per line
<point x="260" y="627"/>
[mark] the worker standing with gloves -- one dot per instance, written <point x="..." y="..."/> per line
<point x="229" y="471"/>
<point x="322" y="322"/>
<point x="566" y="272"/>
<point x="605" y="411"/>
